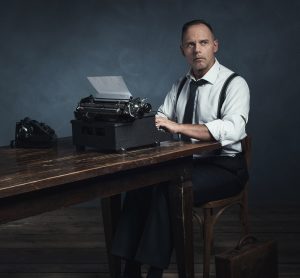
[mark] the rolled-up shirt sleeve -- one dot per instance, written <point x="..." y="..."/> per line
<point x="234" y="114"/>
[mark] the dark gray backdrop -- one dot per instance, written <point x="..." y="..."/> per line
<point x="48" y="48"/>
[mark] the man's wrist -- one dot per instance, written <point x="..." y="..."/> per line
<point x="178" y="128"/>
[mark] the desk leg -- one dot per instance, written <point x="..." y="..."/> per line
<point x="181" y="205"/>
<point x="111" y="208"/>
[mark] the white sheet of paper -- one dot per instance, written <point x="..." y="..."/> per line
<point x="110" y="87"/>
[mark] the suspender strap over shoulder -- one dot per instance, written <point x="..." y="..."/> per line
<point x="182" y="82"/>
<point x="223" y="92"/>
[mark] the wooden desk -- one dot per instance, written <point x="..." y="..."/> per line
<point x="33" y="181"/>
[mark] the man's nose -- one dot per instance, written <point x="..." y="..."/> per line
<point x="197" y="47"/>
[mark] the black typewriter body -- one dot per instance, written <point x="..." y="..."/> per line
<point x="115" y="125"/>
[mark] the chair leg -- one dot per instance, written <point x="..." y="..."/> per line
<point x="208" y="237"/>
<point x="244" y="214"/>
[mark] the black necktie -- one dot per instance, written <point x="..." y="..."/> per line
<point x="189" y="108"/>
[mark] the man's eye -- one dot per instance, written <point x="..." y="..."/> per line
<point x="204" y="43"/>
<point x="190" y="45"/>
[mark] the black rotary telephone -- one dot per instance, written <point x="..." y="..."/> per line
<point x="33" y="134"/>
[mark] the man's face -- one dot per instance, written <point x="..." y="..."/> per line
<point x="199" y="48"/>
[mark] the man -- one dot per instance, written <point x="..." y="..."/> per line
<point x="225" y="174"/>
<point x="190" y="110"/>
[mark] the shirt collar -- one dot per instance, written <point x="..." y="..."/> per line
<point x="210" y="76"/>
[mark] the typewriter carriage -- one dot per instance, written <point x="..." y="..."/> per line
<point x="90" y="109"/>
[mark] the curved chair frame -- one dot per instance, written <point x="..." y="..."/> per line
<point x="209" y="217"/>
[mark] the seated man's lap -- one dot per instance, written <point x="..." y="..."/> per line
<point x="218" y="177"/>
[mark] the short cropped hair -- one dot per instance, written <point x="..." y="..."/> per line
<point x="195" y="22"/>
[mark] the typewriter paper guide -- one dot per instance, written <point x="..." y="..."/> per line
<point x="110" y="87"/>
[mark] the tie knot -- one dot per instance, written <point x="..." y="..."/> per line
<point x="198" y="82"/>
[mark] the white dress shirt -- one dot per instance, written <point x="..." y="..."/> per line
<point x="228" y="130"/>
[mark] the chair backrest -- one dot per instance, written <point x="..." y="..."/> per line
<point x="246" y="149"/>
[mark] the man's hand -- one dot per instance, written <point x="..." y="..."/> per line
<point x="166" y="124"/>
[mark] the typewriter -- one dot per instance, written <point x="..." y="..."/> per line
<point x="115" y="124"/>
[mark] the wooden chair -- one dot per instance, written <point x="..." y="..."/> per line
<point x="212" y="210"/>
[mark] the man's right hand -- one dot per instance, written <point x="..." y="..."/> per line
<point x="166" y="124"/>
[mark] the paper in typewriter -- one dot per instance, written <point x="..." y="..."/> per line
<point x="110" y="87"/>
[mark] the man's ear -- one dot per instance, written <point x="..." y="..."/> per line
<point x="181" y="49"/>
<point x="216" y="45"/>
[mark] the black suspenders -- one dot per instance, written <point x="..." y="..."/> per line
<point x="222" y="93"/>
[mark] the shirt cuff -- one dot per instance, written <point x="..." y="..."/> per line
<point x="218" y="132"/>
